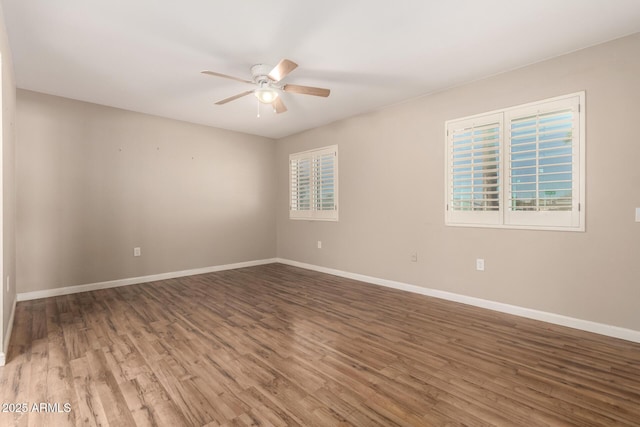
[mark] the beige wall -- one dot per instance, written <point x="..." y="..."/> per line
<point x="8" y="250"/>
<point x="93" y="182"/>
<point x="392" y="203"/>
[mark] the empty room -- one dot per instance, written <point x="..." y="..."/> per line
<point x="337" y="213"/>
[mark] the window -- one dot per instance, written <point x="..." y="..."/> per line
<point x="521" y="167"/>
<point x="313" y="184"/>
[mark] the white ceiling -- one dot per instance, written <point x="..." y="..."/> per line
<point x="146" y="55"/>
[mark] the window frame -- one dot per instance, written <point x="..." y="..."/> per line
<point x="313" y="213"/>
<point x="570" y="220"/>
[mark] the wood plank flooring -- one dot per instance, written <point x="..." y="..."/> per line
<point x="278" y="345"/>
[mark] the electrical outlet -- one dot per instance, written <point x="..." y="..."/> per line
<point x="637" y="214"/>
<point x="319" y="244"/>
<point x="137" y="252"/>
<point x="414" y="257"/>
<point x="480" y="264"/>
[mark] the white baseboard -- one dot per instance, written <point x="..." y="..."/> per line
<point x="25" y="296"/>
<point x="557" y="319"/>
<point x="7" y="335"/>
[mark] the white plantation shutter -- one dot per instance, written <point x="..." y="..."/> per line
<point x="325" y="173"/>
<point x="473" y="168"/>
<point x="522" y="167"/>
<point x="544" y="164"/>
<point x="301" y="184"/>
<point x="313" y="183"/>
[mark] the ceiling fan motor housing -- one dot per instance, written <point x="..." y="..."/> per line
<point x="260" y="73"/>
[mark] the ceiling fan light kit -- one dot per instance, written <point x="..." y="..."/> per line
<point x="268" y="90"/>
<point x="266" y="95"/>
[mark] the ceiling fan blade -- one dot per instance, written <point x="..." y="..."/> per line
<point x="234" y="97"/>
<point x="213" y="73"/>
<point x="307" y="90"/>
<point x="278" y="105"/>
<point x="283" y="68"/>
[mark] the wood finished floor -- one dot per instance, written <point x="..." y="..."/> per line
<point x="278" y="345"/>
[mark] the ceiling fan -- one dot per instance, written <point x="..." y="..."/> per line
<point x="269" y="87"/>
